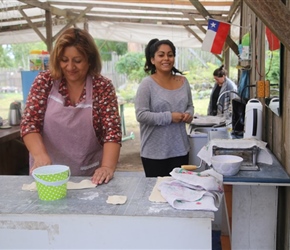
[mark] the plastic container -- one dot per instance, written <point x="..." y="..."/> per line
<point x="197" y="140"/>
<point x="45" y="60"/>
<point x="35" y="60"/>
<point x="253" y="119"/>
<point x="51" y="181"/>
<point x="38" y="60"/>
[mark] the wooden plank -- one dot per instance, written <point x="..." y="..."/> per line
<point x="176" y="2"/>
<point x="273" y="14"/>
<point x="225" y="242"/>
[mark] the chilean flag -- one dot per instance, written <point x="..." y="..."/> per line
<point x="215" y="36"/>
<point x="273" y="41"/>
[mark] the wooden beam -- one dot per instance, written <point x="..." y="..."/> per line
<point x="31" y="24"/>
<point x="73" y="21"/>
<point x="235" y="6"/>
<point x="45" y="6"/>
<point x="275" y="15"/>
<point x="175" y="2"/>
<point x="48" y="28"/>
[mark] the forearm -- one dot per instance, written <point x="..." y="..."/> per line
<point x="34" y="144"/>
<point x="111" y="152"/>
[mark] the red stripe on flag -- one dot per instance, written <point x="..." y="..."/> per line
<point x="273" y="41"/>
<point x="220" y="38"/>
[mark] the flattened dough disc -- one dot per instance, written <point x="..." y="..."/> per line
<point x="116" y="199"/>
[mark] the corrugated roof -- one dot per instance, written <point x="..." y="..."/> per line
<point x="183" y="19"/>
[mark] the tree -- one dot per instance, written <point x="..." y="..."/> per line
<point x="107" y="47"/>
<point x="21" y="53"/>
<point x="273" y="66"/>
<point x="5" y="59"/>
<point x="132" y="65"/>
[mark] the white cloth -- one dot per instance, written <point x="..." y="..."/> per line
<point x="192" y="190"/>
<point x="264" y="156"/>
<point x="208" y="120"/>
<point x="205" y="180"/>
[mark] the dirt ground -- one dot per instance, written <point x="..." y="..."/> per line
<point x="130" y="152"/>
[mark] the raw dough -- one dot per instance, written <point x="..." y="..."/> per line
<point x="29" y="187"/>
<point x="116" y="199"/>
<point x="81" y="185"/>
<point x="70" y="185"/>
<point x="155" y="195"/>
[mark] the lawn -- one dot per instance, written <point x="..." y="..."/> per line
<point x="200" y="107"/>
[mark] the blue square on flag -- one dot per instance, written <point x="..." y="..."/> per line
<point x="215" y="37"/>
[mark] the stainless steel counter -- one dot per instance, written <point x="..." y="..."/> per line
<point x="84" y="220"/>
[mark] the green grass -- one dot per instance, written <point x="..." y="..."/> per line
<point x="200" y="106"/>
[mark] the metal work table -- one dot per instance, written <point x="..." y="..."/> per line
<point x="84" y="220"/>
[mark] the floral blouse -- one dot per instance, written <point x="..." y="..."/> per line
<point x="106" y="119"/>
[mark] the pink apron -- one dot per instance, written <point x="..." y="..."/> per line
<point x="69" y="135"/>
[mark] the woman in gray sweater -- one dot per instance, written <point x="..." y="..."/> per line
<point x="163" y="107"/>
<point x="222" y="89"/>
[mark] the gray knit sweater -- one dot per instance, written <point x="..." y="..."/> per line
<point x="160" y="137"/>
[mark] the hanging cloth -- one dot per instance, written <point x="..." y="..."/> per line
<point x="243" y="88"/>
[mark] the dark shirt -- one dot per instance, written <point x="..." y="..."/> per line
<point x="215" y="97"/>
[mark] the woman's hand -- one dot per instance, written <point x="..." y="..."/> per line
<point x="187" y="118"/>
<point x="40" y="160"/>
<point x="102" y="175"/>
<point x="181" y="117"/>
<point x="177" y="117"/>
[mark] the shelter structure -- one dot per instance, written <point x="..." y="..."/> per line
<point x="185" y="23"/>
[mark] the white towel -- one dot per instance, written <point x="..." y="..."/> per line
<point x="264" y="156"/>
<point x="208" y="180"/>
<point x="193" y="191"/>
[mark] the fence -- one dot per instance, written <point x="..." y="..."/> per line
<point x="10" y="79"/>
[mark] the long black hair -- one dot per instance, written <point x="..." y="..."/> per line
<point x="150" y="51"/>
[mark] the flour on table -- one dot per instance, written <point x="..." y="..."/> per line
<point x="155" y="195"/>
<point x="116" y="199"/>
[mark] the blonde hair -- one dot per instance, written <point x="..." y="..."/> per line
<point x="84" y="43"/>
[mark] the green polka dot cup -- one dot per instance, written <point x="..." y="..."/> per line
<point x="51" y="181"/>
